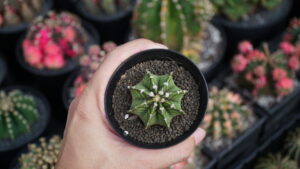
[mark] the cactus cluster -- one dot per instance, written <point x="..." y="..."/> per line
<point x="54" y="39"/>
<point x="225" y="115"/>
<point x="177" y="24"/>
<point x="106" y="7"/>
<point x="18" y="112"/>
<point x="264" y="73"/>
<point x="42" y="155"/>
<point x="289" y="158"/>
<point x="276" y="161"/>
<point x="89" y="63"/>
<point x="237" y="9"/>
<point x="13" y="12"/>
<point x="156" y="100"/>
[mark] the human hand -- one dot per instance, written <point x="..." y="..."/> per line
<point x="89" y="141"/>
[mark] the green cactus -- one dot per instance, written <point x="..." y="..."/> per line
<point x="43" y="155"/>
<point x="293" y="144"/>
<point x="13" y="12"/>
<point x="176" y="23"/>
<point x="17" y="112"/>
<point x="239" y="9"/>
<point x="225" y="114"/>
<point x="107" y="7"/>
<point x="276" y="161"/>
<point x="156" y="100"/>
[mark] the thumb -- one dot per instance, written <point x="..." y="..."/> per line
<point x="167" y="157"/>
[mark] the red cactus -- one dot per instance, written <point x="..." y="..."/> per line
<point x="57" y="37"/>
<point x="239" y="63"/>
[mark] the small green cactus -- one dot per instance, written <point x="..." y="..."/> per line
<point x="13" y="12"/>
<point x="237" y="9"/>
<point x="176" y="23"/>
<point x="293" y="144"/>
<point x="225" y="114"/>
<point x="276" y="161"/>
<point x="17" y="112"/>
<point x="43" y="155"/>
<point x="156" y="100"/>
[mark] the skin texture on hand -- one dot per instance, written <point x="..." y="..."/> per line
<point x="89" y="141"/>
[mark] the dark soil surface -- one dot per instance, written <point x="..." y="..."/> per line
<point x="133" y="126"/>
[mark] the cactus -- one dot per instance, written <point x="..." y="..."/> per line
<point x="292" y="34"/>
<point x="106" y="7"/>
<point x="89" y="64"/>
<point x="53" y="40"/>
<point x="237" y="9"/>
<point x="177" y="24"/>
<point x="43" y="155"/>
<point x="293" y="144"/>
<point x="14" y="12"/>
<point x="156" y="100"/>
<point x="276" y="161"/>
<point x="225" y="114"/>
<point x="17" y="112"/>
<point x="265" y="73"/>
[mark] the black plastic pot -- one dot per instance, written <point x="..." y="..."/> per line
<point x="275" y="21"/>
<point x="148" y="55"/>
<point x="37" y="128"/>
<point x="3" y="69"/>
<point x="112" y="28"/>
<point x="244" y="144"/>
<point x="9" y="35"/>
<point x="272" y="145"/>
<point x="66" y="94"/>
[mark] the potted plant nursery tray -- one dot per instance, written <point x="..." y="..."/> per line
<point x="16" y="16"/>
<point x="156" y="99"/>
<point x="88" y="63"/>
<point x="252" y="20"/>
<point x="233" y="126"/>
<point x="188" y="33"/>
<point x="24" y="116"/>
<point x="112" y="17"/>
<point x="40" y="154"/>
<point x="280" y="151"/>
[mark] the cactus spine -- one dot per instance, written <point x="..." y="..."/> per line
<point x="17" y="112"/>
<point x="276" y="161"/>
<point x="156" y="100"/>
<point x="43" y="156"/>
<point x="175" y="23"/>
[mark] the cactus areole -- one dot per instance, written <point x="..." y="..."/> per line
<point x="156" y="100"/>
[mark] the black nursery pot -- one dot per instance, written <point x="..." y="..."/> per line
<point x="275" y="21"/>
<point x="66" y="94"/>
<point x="37" y="128"/>
<point x="10" y="35"/>
<point x="3" y="69"/>
<point x="149" y="57"/>
<point x="111" y="27"/>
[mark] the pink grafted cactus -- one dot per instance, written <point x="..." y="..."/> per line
<point x="89" y="64"/>
<point x="53" y="40"/>
<point x="265" y="73"/>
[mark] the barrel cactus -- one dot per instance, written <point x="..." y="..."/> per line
<point x="17" y="112"/>
<point x="43" y="155"/>
<point x="156" y="100"/>
<point x="293" y="144"/>
<point x="276" y="161"/>
<point x="225" y="114"/>
<point x="106" y="7"/>
<point x="13" y="12"/>
<point x="177" y="24"/>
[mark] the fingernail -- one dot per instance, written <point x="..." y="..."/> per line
<point x="161" y="46"/>
<point x="199" y="135"/>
